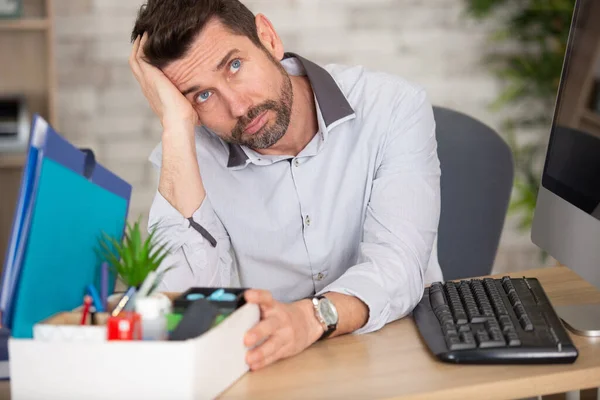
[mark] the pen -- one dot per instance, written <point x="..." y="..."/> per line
<point x="104" y="285"/>
<point x="93" y="315"/>
<point x="123" y="302"/>
<point x="96" y="297"/>
<point x="87" y="302"/>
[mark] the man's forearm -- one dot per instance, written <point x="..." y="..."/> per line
<point x="353" y="314"/>
<point x="180" y="182"/>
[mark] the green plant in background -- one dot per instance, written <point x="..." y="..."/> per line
<point x="526" y="53"/>
<point x="133" y="257"/>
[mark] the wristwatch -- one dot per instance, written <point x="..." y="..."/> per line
<point x="326" y="313"/>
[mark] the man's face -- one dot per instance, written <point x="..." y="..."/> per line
<point x="239" y="91"/>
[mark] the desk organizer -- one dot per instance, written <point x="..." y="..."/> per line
<point x="65" y="327"/>
<point x="199" y="368"/>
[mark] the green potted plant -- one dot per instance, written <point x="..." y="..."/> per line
<point x="526" y="54"/>
<point x="132" y="258"/>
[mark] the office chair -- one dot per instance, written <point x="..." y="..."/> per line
<point x="476" y="183"/>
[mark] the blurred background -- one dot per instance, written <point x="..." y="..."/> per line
<point x="496" y="60"/>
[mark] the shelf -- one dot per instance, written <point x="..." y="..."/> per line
<point x="27" y="24"/>
<point x="10" y="160"/>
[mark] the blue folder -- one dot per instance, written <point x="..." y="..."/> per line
<point x="66" y="203"/>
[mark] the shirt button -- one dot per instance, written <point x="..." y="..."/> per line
<point x="307" y="220"/>
<point x="320" y="276"/>
<point x="296" y="162"/>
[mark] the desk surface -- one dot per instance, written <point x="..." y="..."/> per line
<point x="394" y="363"/>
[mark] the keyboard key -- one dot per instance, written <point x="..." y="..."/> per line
<point x="514" y="297"/>
<point x="506" y="323"/>
<point x="461" y="346"/>
<point x="488" y="312"/>
<point x="484" y="340"/>
<point x="520" y="310"/>
<point x="461" y="318"/>
<point x="507" y="283"/>
<point x="454" y="342"/>
<point x="445" y="317"/>
<point x="449" y="329"/>
<point x="492" y="343"/>
<point x="496" y="336"/>
<point x="478" y="319"/>
<point x="513" y="339"/>
<point x="491" y="323"/>
<point x="436" y="297"/>
<point x="464" y="328"/>
<point x="467" y="337"/>
<point x="452" y="339"/>
<point x="526" y="323"/>
<point x="442" y="310"/>
<point x="482" y="336"/>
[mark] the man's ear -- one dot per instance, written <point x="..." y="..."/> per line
<point x="269" y="37"/>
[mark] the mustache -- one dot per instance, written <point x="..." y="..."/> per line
<point x="243" y="122"/>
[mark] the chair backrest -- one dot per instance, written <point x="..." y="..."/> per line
<point x="476" y="184"/>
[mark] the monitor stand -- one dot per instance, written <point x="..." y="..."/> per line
<point x="581" y="319"/>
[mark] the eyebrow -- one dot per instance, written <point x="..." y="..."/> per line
<point x="219" y="67"/>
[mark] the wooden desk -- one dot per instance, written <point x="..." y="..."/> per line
<point x="394" y="363"/>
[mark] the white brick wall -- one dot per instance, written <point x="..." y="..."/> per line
<point x="430" y="42"/>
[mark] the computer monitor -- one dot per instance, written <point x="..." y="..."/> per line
<point x="567" y="217"/>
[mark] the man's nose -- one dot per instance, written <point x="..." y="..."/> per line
<point x="239" y="103"/>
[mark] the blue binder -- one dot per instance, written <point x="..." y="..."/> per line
<point x="66" y="202"/>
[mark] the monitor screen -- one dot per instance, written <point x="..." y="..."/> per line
<point x="572" y="168"/>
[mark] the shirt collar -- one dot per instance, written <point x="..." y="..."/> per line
<point x="331" y="102"/>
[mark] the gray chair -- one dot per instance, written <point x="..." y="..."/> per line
<point x="477" y="177"/>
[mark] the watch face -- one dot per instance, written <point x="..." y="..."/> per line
<point x="328" y="312"/>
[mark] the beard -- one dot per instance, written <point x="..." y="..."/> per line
<point x="268" y="135"/>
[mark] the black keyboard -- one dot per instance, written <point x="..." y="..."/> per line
<point x="492" y="321"/>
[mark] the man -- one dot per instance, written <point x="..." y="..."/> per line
<point x="316" y="187"/>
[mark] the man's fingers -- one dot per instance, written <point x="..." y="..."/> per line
<point x="265" y="354"/>
<point x="140" y="52"/>
<point x="261" y="331"/>
<point x="260" y="297"/>
<point x="133" y="63"/>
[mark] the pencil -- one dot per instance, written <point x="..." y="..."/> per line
<point x="87" y="302"/>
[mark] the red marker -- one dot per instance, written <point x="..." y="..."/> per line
<point x="87" y="302"/>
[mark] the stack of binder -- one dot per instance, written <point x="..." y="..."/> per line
<point x="66" y="203"/>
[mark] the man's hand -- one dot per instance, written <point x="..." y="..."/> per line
<point x="166" y="100"/>
<point x="284" y="330"/>
<point x="180" y="181"/>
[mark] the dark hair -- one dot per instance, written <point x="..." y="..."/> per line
<point x="172" y="25"/>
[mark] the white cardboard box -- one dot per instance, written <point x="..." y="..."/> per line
<point x="199" y="368"/>
<point x="64" y="327"/>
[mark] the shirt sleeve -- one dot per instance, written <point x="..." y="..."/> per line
<point x="402" y="218"/>
<point x="200" y="249"/>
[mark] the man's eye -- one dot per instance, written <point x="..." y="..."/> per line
<point x="236" y="65"/>
<point x="202" y="97"/>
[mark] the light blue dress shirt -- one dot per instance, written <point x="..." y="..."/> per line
<point x="355" y="212"/>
